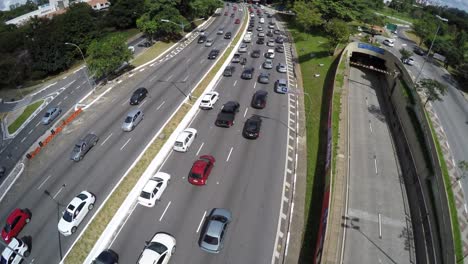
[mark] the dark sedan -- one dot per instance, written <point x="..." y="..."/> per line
<point x="252" y="127"/>
<point x="259" y="99"/>
<point x="228" y="35"/>
<point x="228" y="71"/>
<point x="213" y="54"/>
<point x="138" y="96"/>
<point x="279" y="49"/>
<point x="248" y="73"/>
<point x="107" y="256"/>
<point x="261" y="41"/>
<point x="255" y="53"/>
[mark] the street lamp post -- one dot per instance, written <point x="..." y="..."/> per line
<point x="430" y="48"/>
<point x="46" y="192"/>
<point x="86" y="64"/>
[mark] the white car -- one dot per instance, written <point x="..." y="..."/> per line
<point x="209" y="100"/>
<point x="11" y="256"/>
<point x="247" y="38"/>
<point x="75" y="212"/>
<point x="159" y="250"/>
<point x="242" y="48"/>
<point x="185" y="139"/>
<point x="270" y="54"/>
<point x="389" y="42"/>
<point x="262" y="20"/>
<point x="153" y="189"/>
<point x="409" y="61"/>
<point x="271" y="26"/>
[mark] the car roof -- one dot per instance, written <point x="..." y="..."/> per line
<point x="282" y="81"/>
<point x="13" y="214"/>
<point x="198" y="166"/>
<point x="150" y="185"/>
<point x="133" y="112"/>
<point x="261" y="92"/>
<point x="183" y="135"/>
<point x="214" y="228"/>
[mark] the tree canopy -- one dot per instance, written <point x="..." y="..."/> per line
<point x="106" y="55"/>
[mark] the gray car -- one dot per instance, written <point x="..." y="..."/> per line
<point x="83" y="146"/>
<point x="133" y="118"/>
<point x="50" y="115"/>
<point x="268" y="64"/>
<point x="281" y="68"/>
<point x="264" y="78"/>
<point x="214" y="231"/>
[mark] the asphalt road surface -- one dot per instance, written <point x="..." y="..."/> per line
<point x="246" y="179"/>
<point x="116" y="150"/>
<point x="376" y="228"/>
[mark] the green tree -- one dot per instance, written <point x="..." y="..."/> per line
<point x="338" y="32"/>
<point x="433" y="89"/>
<point x="124" y="13"/>
<point x="405" y="54"/>
<point x="307" y="15"/>
<point x="147" y="26"/>
<point x="203" y="8"/>
<point x="423" y="28"/>
<point x="108" y="54"/>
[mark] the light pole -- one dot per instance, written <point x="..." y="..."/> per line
<point x="430" y="48"/>
<point x="46" y="192"/>
<point x="86" y="64"/>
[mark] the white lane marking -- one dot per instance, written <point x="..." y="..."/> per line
<point x="131" y="75"/>
<point x="229" y="155"/>
<point x="64" y="77"/>
<point x="125" y="143"/>
<point x="140" y="105"/>
<point x="42" y="184"/>
<point x="122" y="226"/>
<point x="235" y="82"/>
<point x="188" y="60"/>
<point x="105" y="140"/>
<point x="38" y="123"/>
<point x="466" y="209"/>
<point x="201" y="146"/>
<point x="119" y="81"/>
<point x="246" y="111"/>
<point x="164" y="211"/>
<point x="201" y="221"/>
<point x="65" y="98"/>
<point x="201" y="61"/>
<point x="260" y="67"/>
<point x="142" y="69"/>
<point x="83" y="82"/>
<point x="59" y="103"/>
<point x="375" y="165"/>
<point x="78" y="87"/>
<point x="185" y="79"/>
<point x="255" y="85"/>
<point x="124" y="103"/>
<point x="59" y="191"/>
<point x="161" y="105"/>
<point x="30" y="132"/>
<point x="71" y="92"/>
<point x="370" y="126"/>
<point x="170" y="77"/>
<point x="23" y="139"/>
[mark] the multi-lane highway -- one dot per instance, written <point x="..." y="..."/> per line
<point x="247" y="178"/>
<point x="378" y="229"/>
<point x="105" y="164"/>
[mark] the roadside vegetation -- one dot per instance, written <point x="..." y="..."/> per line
<point x="24" y="116"/>
<point x="37" y="49"/>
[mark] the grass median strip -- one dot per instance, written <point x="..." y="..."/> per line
<point x="28" y="111"/>
<point x="151" y="53"/>
<point x="84" y="245"/>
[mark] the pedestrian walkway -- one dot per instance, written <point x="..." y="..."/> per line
<point x="454" y="174"/>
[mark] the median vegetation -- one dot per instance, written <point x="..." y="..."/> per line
<point x="86" y="242"/>
<point x="28" y="111"/>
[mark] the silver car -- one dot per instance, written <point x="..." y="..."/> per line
<point x="133" y="118"/>
<point x="50" y="115"/>
<point x="268" y="64"/>
<point x="214" y="231"/>
<point x="281" y="68"/>
<point x="209" y="42"/>
<point x="243" y="48"/>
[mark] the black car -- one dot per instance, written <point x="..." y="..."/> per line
<point x="236" y="58"/>
<point x="228" y="35"/>
<point x="261" y="41"/>
<point x="269" y="33"/>
<point x="250" y="29"/>
<point x="138" y="96"/>
<point x="213" y="54"/>
<point x="202" y="39"/>
<point x="279" y="40"/>
<point x="228" y="71"/>
<point x="419" y="51"/>
<point x="108" y="256"/>
<point x="248" y="73"/>
<point x="255" y="53"/>
<point x="252" y="127"/>
<point x="243" y="60"/>
<point x="279" y="49"/>
<point x="228" y="114"/>
<point x="259" y="99"/>
<point x="269" y="15"/>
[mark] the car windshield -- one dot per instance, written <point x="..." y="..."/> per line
<point x="195" y="175"/>
<point x="128" y="119"/>
<point x="158" y="247"/>
<point x="47" y="114"/>
<point x="145" y="195"/>
<point x="210" y="240"/>
<point x="67" y="216"/>
<point x="219" y="218"/>
<point x="77" y="148"/>
<point x="178" y="144"/>
<point x="7" y="228"/>
<point x="252" y="125"/>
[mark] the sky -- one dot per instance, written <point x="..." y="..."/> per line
<point x="460" y="4"/>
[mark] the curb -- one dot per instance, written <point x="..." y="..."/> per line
<point x="130" y="202"/>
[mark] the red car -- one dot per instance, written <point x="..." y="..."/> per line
<point x="201" y="169"/>
<point x="225" y="13"/>
<point x="237" y="21"/>
<point x="234" y="8"/>
<point x="15" y="223"/>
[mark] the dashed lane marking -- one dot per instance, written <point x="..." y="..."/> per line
<point x="125" y="143"/>
<point x="165" y="210"/>
<point x="229" y="155"/>
<point x="105" y="140"/>
<point x="201" y="221"/>
<point x="23" y="139"/>
<point x="43" y="182"/>
<point x="201" y="146"/>
<point x="161" y="105"/>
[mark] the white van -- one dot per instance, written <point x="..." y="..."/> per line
<point x="185" y="139"/>
<point x="262" y="20"/>
<point x="248" y="37"/>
